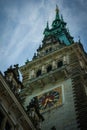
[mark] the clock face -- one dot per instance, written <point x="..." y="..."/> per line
<point x="50" y="99"/>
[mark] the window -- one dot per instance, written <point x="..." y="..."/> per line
<point x="60" y="64"/>
<point x="8" y="126"/>
<point x="46" y="51"/>
<point x="50" y="49"/>
<point x="38" y="73"/>
<point x="1" y="117"/>
<point x="49" y="68"/>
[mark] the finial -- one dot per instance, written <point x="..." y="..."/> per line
<point x="57" y="9"/>
<point x="27" y="61"/>
<point x="46" y="29"/>
<point x="47" y="25"/>
<point x="68" y="30"/>
<point x="57" y="12"/>
<point x="79" y="39"/>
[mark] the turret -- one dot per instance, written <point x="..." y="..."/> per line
<point x="46" y="30"/>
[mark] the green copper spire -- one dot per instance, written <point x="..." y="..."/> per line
<point x="57" y="12"/>
<point x="59" y="29"/>
<point x="57" y="20"/>
<point x="46" y="31"/>
<point x="62" y="18"/>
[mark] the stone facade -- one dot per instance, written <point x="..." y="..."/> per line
<point x="56" y="78"/>
<point x="71" y="72"/>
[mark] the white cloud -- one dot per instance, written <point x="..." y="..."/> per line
<point x="26" y="31"/>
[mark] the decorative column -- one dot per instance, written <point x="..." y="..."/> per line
<point x="54" y="65"/>
<point x="66" y="59"/>
<point x="43" y="69"/>
<point x="32" y="74"/>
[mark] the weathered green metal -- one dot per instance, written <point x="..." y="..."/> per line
<point x="59" y="29"/>
<point x="57" y="12"/>
<point x="46" y="30"/>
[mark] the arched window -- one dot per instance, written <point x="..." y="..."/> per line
<point x="59" y="64"/>
<point x="38" y="73"/>
<point x="49" y="68"/>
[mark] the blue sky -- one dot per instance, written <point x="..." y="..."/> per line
<point x="22" y="23"/>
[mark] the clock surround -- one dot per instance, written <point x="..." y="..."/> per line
<point x="50" y="100"/>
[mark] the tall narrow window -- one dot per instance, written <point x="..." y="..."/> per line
<point x="8" y="126"/>
<point x="38" y="73"/>
<point x="1" y="117"/>
<point x="50" y="49"/>
<point x="49" y="68"/>
<point x="60" y="64"/>
<point x="46" y="51"/>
